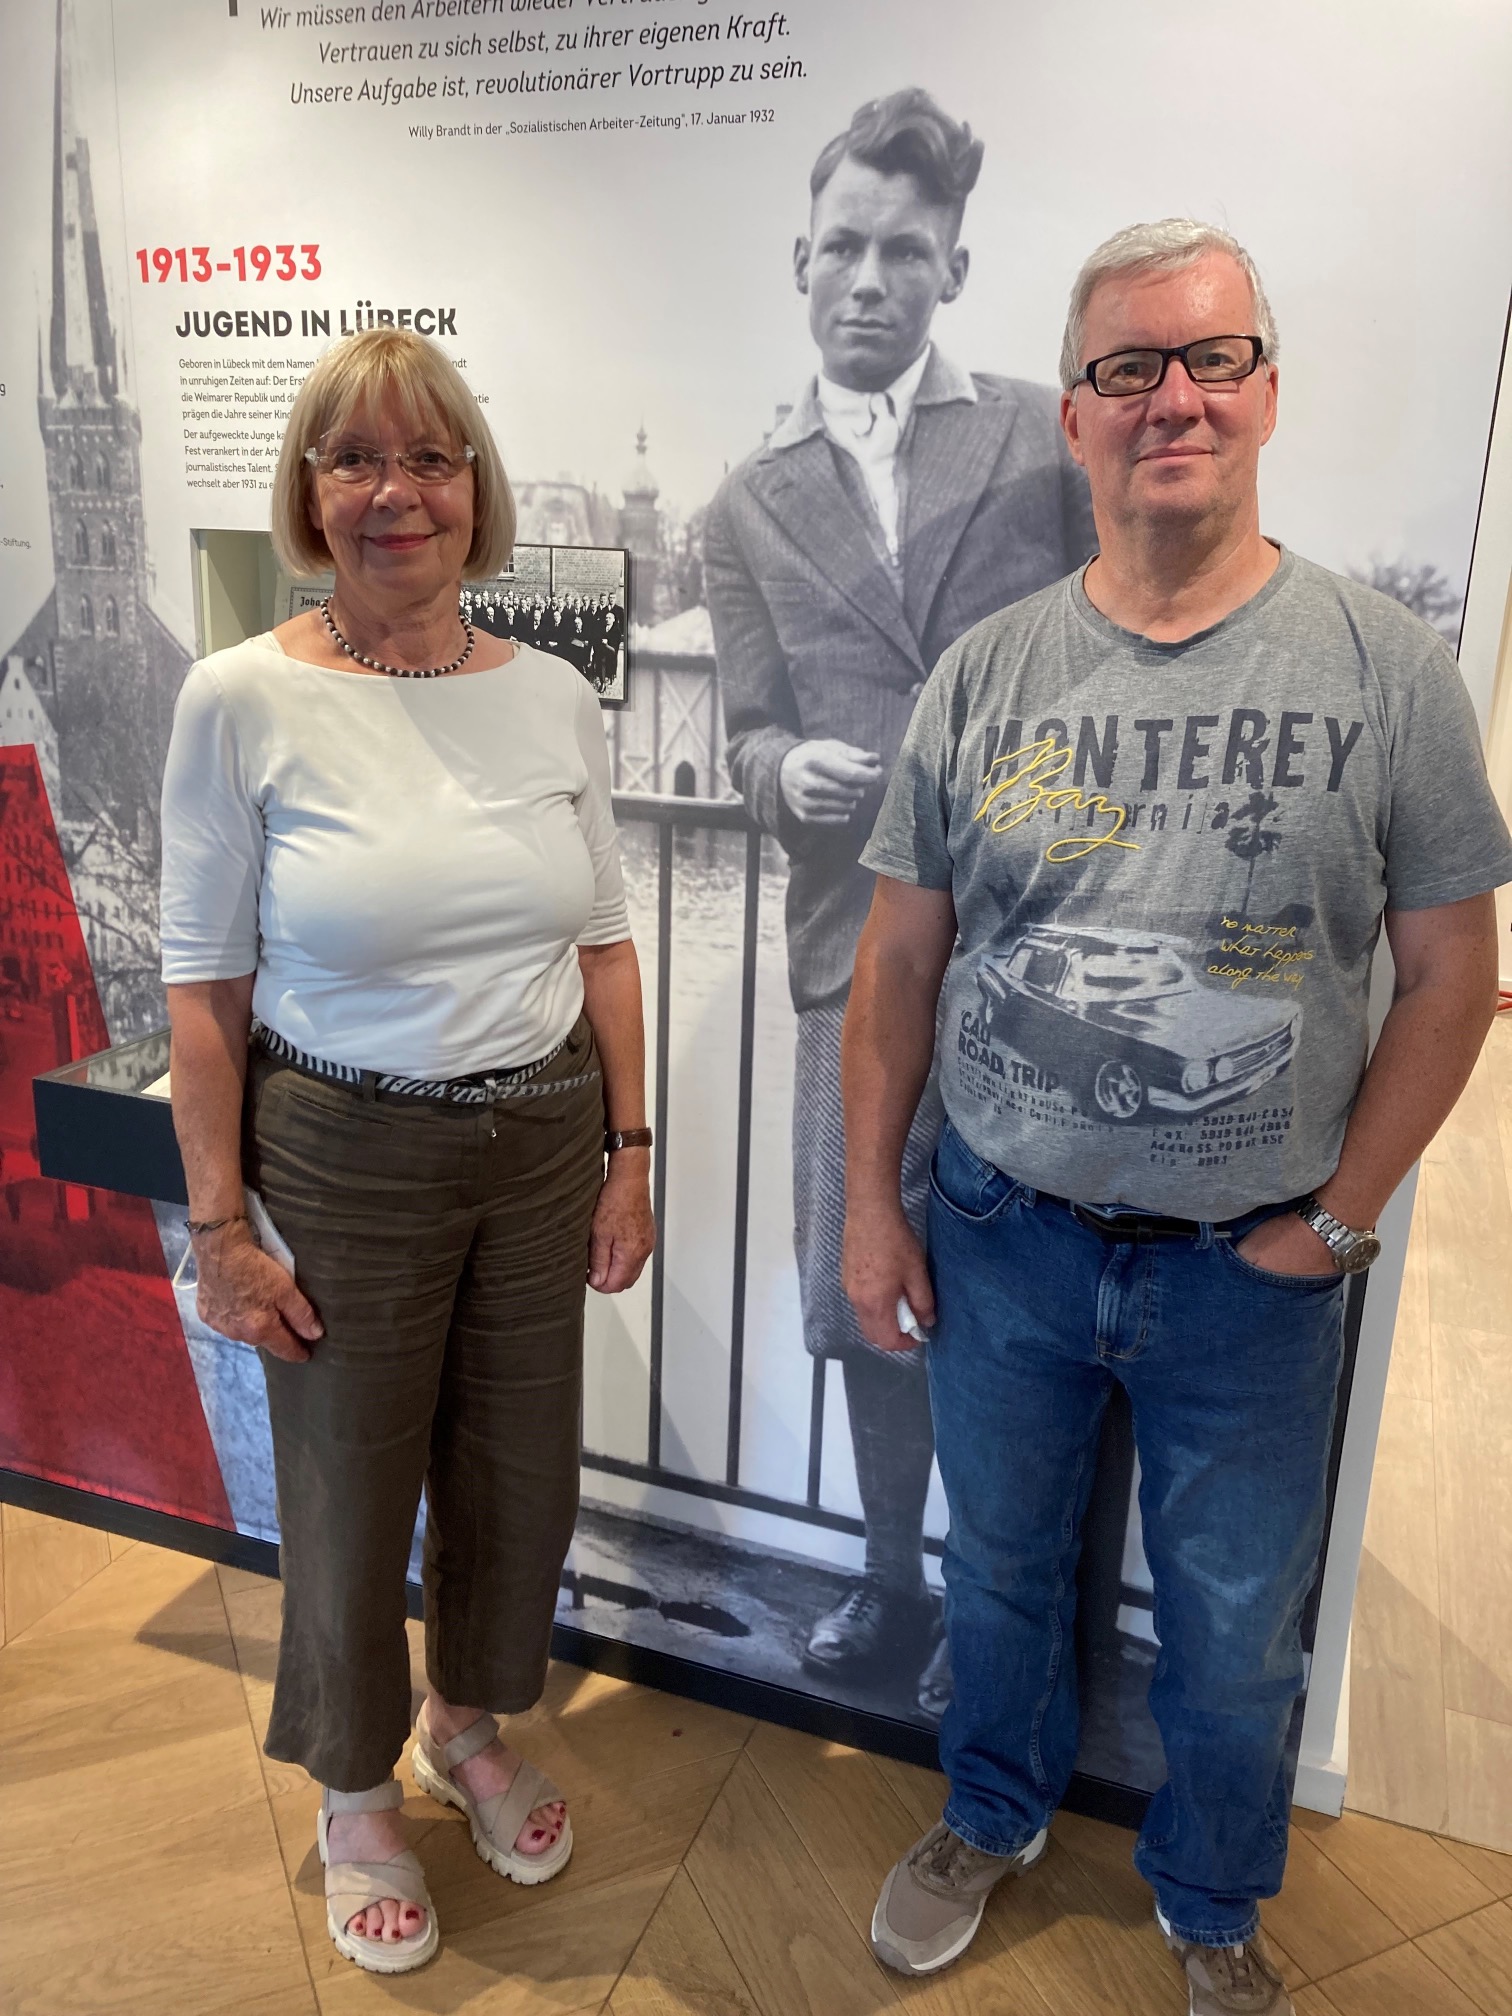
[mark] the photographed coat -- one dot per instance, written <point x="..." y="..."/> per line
<point x="816" y="635"/>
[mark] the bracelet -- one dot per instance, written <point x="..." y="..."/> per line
<point x="627" y="1137"/>
<point x="198" y="1225"/>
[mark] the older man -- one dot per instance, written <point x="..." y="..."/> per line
<point x="1158" y="815"/>
<point x="901" y="500"/>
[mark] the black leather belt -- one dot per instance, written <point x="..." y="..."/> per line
<point x="1130" y="1228"/>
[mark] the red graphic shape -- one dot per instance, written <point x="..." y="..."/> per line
<point x="96" y="1387"/>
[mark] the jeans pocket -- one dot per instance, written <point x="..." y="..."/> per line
<point x="1263" y="1277"/>
<point x="969" y="1188"/>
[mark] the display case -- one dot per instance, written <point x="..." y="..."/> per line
<point x="105" y="1122"/>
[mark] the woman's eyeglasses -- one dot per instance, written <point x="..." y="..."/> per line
<point x="354" y="462"/>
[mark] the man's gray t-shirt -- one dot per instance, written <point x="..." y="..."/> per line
<point x="1169" y="865"/>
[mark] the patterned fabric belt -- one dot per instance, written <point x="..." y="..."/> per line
<point x="479" y="1090"/>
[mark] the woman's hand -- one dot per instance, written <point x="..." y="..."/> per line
<point x="250" y="1297"/>
<point x="623" y="1231"/>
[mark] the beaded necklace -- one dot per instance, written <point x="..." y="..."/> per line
<point x="398" y="671"/>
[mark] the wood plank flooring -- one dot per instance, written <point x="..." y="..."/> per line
<point x="151" y="1859"/>
<point x="43" y="1560"/>
<point x="1431" y="1669"/>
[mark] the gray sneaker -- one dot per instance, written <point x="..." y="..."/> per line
<point x="933" y="1900"/>
<point x="1229" y="1980"/>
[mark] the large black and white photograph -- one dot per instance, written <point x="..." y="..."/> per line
<point x="780" y="407"/>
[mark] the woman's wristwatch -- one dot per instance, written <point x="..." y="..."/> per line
<point x="1353" y="1251"/>
<point x="626" y="1137"/>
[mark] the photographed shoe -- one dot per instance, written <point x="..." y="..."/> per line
<point x="936" y="1682"/>
<point x="869" y="1621"/>
<point x="351" y="1887"/>
<point x="496" y="1822"/>
<point x="1229" y="1980"/>
<point x="932" y="1901"/>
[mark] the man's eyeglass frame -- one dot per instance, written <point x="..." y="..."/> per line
<point x="1088" y="373"/>
<point x="376" y="460"/>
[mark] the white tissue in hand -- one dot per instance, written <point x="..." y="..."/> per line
<point x="265" y="1231"/>
<point x="908" y="1323"/>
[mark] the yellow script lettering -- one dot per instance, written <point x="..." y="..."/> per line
<point x="1037" y="764"/>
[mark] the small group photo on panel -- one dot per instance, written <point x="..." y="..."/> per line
<point x="755" y="1118"/>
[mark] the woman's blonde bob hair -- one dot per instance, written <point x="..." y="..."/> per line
<point x="393" y="369"/>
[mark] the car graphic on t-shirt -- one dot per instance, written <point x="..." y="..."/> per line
<point x="1126" y="1022"/>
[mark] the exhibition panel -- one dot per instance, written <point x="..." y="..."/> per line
<point x="594" y="211"/>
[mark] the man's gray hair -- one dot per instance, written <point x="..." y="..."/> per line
<point x="1165" y="247"/>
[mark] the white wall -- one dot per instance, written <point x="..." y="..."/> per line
<point x="1486" y="661"/>
<point x="1486" y="643"/>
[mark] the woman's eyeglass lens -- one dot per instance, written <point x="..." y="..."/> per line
<point x="352" y="462"/>
<point x="1216" y="360"/>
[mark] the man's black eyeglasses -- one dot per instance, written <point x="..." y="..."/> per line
<point x="1214" y="360"/>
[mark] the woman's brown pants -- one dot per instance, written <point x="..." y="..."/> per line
<point x="445" y="1249"/>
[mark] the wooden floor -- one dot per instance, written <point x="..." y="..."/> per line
<point x="154" y="1863"/>
<point x="1431" y="1684"/>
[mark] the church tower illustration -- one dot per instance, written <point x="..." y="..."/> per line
<point x="100" y="661"/>
<point x="640" y="533"/>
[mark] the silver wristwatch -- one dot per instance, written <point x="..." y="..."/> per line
<point x="1352" y="1251"/>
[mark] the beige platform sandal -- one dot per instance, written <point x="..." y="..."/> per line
<point x="351" y="1887"/>
<point x="495" y="1822"/>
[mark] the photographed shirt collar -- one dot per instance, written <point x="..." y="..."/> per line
<point x="852" y="411"/>
<point x="941" y="383"/>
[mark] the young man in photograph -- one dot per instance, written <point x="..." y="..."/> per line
<point x="1153" y="821"/>
<point x="900" y="501"/>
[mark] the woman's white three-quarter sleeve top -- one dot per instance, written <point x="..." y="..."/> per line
<point x="407" y="864"/>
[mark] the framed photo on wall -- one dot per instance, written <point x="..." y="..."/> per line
<point x="572" y="601"/>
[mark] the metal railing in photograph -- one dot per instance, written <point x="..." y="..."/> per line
<point x="1103" y="1586"/>
<point x="669" y="816"/>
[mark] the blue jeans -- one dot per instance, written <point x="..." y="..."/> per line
<point x="1232" y="1373"/>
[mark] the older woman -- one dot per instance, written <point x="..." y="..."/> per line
<point x="405" y="1010"/>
